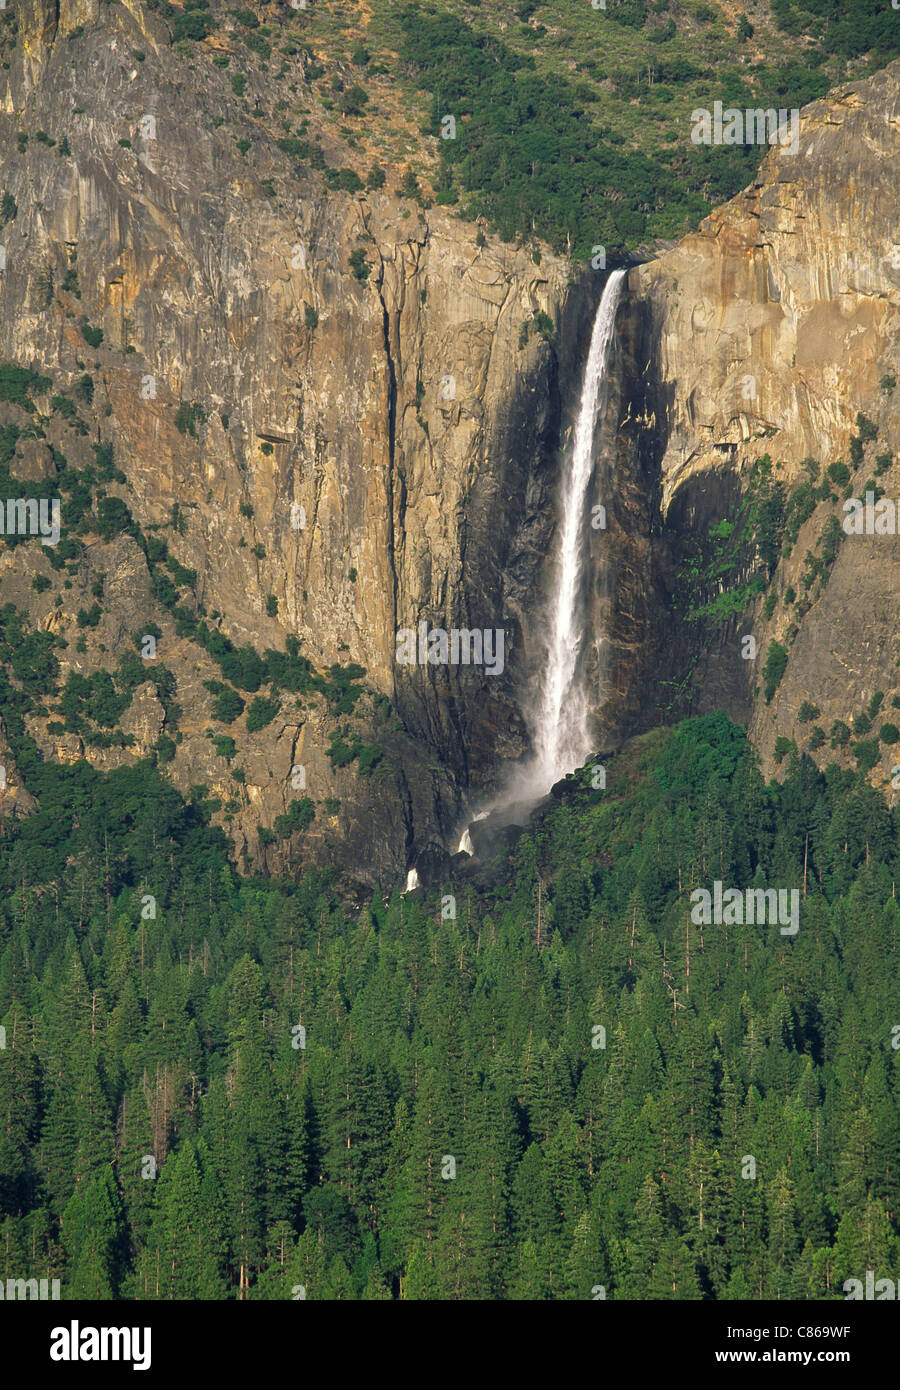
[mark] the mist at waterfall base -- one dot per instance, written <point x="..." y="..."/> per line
<point x="559" y="715"/>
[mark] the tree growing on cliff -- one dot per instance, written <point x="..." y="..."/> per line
<point x="773" y="670"/>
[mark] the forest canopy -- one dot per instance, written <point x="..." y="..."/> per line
<point x="223" y="1087"/>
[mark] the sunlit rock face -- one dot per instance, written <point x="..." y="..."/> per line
<point x="383" y="431"/>
<point x="378" y="444"/>
<point x="766" y="332"/>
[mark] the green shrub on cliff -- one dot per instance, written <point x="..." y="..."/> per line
<point x="359" y="265"/>
<point x="227" y="704"/>
<point x="188" y="416"/>
<point x="298" y="816"/>
<point x="867" y="754"/>
<point x="193" y="25"/>
<point x="773" y="670"/>
<point x="16" y="383"/>
<point x="261" y="713"/>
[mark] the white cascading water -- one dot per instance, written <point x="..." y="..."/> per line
<point x="562" y="736"/>
<point x="561" y="732"/>
<point x="465" y="845"/>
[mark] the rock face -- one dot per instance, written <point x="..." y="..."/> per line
<point x="767" y="332"/>
<point x="378" y="435"/>
<point x="347" y="415"/>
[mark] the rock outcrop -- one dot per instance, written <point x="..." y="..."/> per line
<point x="345" y="414"/>
<point x="369" y="425"/>
<point x="767" y="332"/>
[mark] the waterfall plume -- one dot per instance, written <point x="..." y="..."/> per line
<point x="561" y="734"/>
<point x="560" y="724"/>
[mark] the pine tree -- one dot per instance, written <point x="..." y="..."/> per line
<point x="92" y="1237"/>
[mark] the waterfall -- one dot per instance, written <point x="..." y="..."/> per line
<point x="560" y="724"/>
<point x="465" y="845"/>
<point x="562" y="738"/>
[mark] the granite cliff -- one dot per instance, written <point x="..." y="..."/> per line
<point x="290" y="414"/>
<point x="332" y="408"/>
<point x="770" y="332"/>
